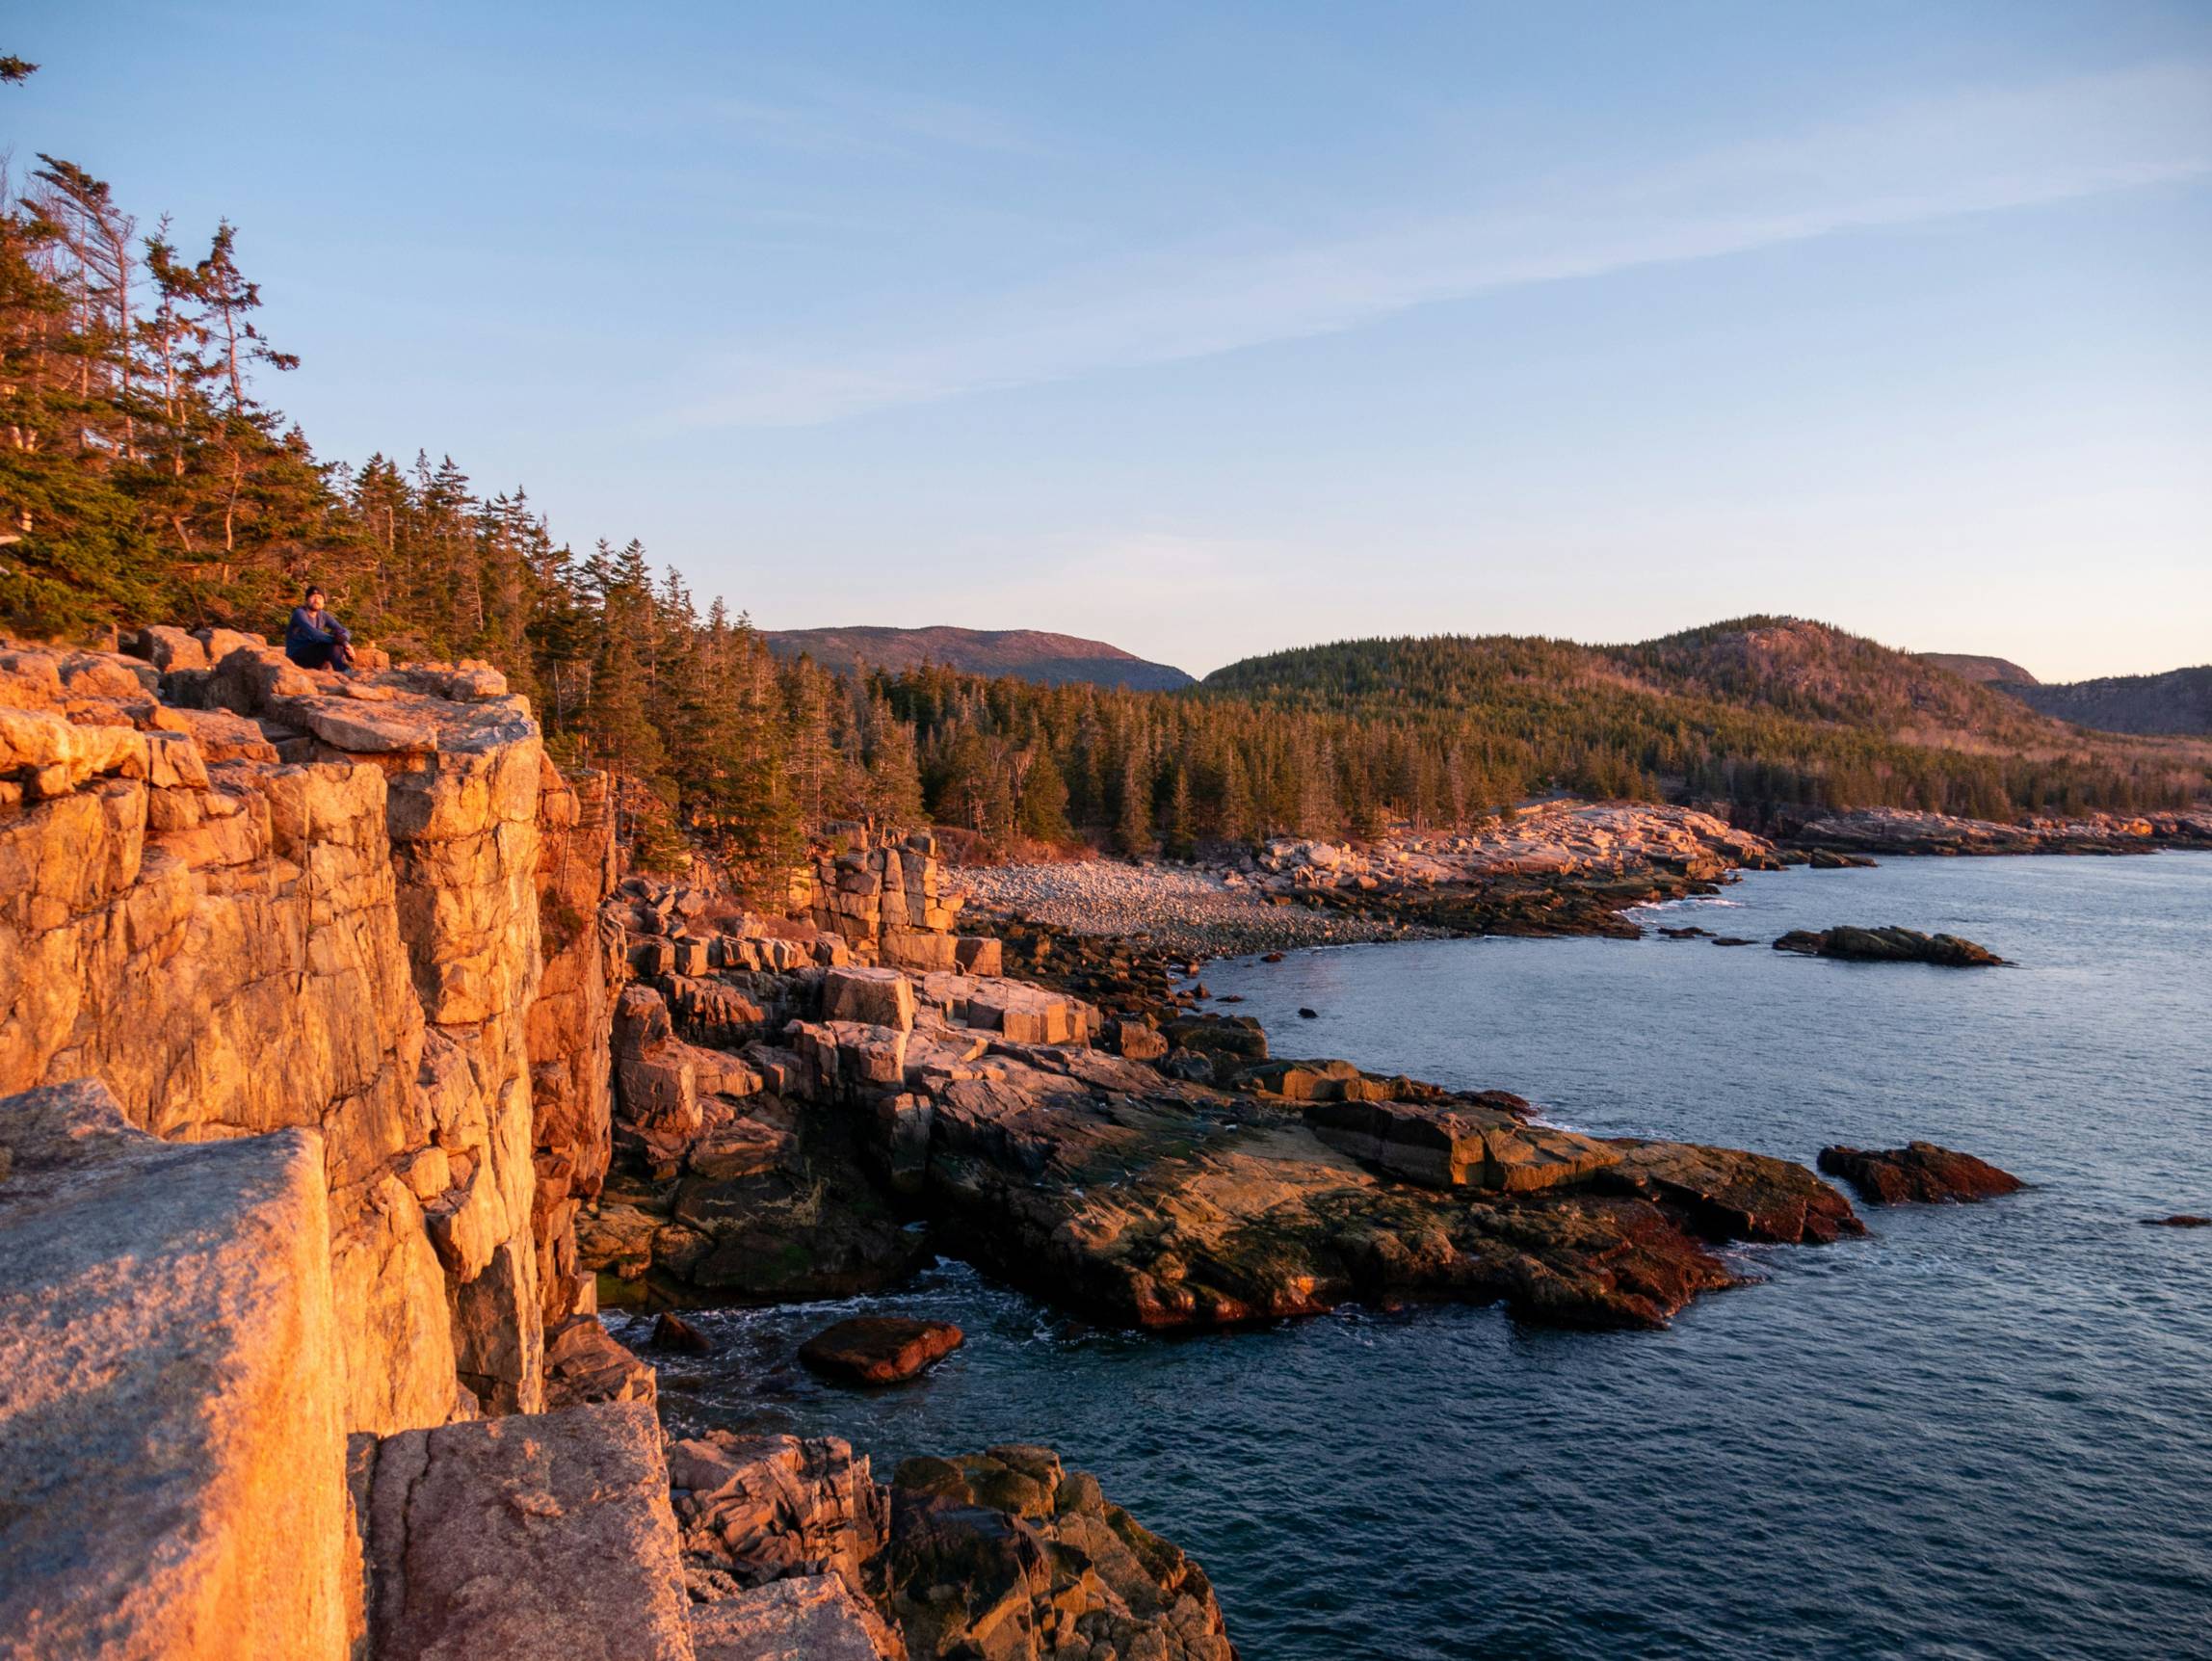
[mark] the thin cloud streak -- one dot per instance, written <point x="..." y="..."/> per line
<point x="1978" y="152"/>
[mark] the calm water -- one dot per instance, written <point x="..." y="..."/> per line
<point x="1985" y="1430"/>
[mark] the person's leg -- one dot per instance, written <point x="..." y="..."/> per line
<point x="342" y="657"/>
<point x="310" y="654"/>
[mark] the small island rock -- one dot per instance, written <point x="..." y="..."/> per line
<point x="1919" y="1171"/>
<point x="1890" y="945"/>
<point x="880" y="1349"/>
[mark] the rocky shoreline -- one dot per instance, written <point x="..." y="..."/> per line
<point x="332" y="996"/>
<point x="1559" y="868"/>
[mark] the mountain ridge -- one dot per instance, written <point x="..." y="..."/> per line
<point x="1037" y="655"/>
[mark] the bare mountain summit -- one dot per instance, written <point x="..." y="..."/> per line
<point x="1969" y="666"/>
<point x="1027" y="654"/>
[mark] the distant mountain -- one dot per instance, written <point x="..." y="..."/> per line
<point x="2177" y="702"/>
<point x="1774" y="668"/>
<point x="1969" y="667"/>
<point x="1027" y="654"/>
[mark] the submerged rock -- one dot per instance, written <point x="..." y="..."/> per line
<point x="2179" y="1219"/>
<point x="880" y="1349"/>
<point x="1919" y="1171"/>
<point x="1889" y="945"/>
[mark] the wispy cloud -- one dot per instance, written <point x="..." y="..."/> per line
<point x="821" y="113"/>
<point x="1976" y="153"/>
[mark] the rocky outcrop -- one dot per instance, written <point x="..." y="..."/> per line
<point x="247" y="897"/>
<point x="1008" y="1553"/>
<point x="1903" y="830"/>
<point x="1143" y="1201"/>
<point x="880" y="1349"/>
<point x="1216" y="1187"/>
<point x="1919" y="1171"/>
<point x="792" y="1548"/>
<point x="753" y="1510"/>
<point x="1890" y="945"/>
<point x="892" y="903"/>
<point x="172" y="1457"/>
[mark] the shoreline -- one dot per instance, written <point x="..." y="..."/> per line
<point x="1560" y="869"/>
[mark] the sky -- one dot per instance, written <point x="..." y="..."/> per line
<point x="1217" y="329"/>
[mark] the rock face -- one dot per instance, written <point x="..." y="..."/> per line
<point x="247" y="897"/>
<point x="880" y="1349"/>
<point x="1890" y="945"/>
<point x="171" y="1458"/>
<point x="567" y="1029"/>
<point x="1917" y="1171"/>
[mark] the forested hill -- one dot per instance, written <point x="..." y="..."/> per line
<point x="1780" y="667"/>
<point x="2177" y="702"/>
<point x="1757" y="710"/>
<point x="1026" y="654"/>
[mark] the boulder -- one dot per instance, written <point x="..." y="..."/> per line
<point x="1919" y="1171"/>
<point x="543" y="1538"/>
<point x="880" y="1349"/>
<point x="584" y="1363"/>
<point x="674" y="1334"/>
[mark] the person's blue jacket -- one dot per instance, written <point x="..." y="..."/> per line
<point x="302" y="635"/>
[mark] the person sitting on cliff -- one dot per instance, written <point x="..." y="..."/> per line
<point x="314" y="639"/>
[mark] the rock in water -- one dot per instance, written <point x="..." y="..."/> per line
<point x="880" y="1349"/>
<point x="1917" y="1171"/>
<point x="1890" y="945"/>
<point x="2179" y="1219"/>
<point x="675" y="1333"/>
<point x="1305" y="1014"/>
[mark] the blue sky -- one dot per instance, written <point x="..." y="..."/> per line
<point x="1210" y="331"/>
